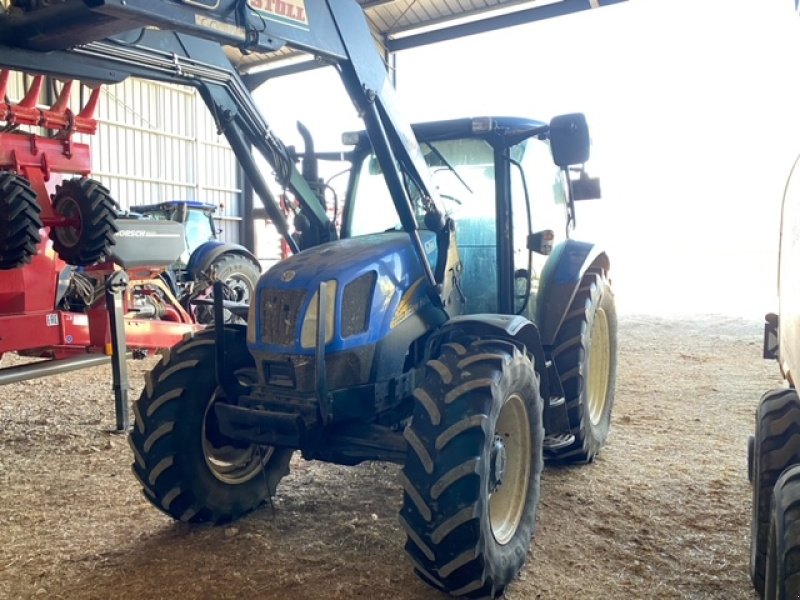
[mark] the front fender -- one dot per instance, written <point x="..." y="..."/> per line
<point x="206" y="253"/>
<point x="560" y="279"/>
<point x="513" y="327"/>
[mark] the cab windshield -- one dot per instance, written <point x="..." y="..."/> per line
<point x="198" y="229"/>
<point x="462" y="172"/>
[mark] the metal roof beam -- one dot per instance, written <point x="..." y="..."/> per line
<point x="254" y="80"/>
<point x="557" y="9"/>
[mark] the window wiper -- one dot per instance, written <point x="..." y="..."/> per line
<point x="447" y="164"/>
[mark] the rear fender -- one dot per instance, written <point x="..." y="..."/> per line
<point x="205" y="254"/>
<point x="561" y="277"/>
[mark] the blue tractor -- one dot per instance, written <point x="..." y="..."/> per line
<point x="348" y="357"/>
<point x="205" y="259"/>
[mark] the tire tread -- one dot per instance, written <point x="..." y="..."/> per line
<point x="19" y="221"/>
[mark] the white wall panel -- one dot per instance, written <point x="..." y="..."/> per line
<point x="158" y="142"/>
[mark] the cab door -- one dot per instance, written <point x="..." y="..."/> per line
<point x="538" y="203"/>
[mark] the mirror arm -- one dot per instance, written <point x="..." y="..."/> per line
<point x="571" y="220"/>
<point x="514" y="139"/>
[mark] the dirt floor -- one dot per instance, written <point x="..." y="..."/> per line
<point x="662" y="513"/>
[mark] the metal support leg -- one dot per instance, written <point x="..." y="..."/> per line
<point x="116" y="284"/>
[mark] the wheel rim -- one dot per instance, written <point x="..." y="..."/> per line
<point x="510" y="469"/>
<point x="227" y="462"/>
<point x="68" y="235"/>
<point x="599" y="367"/>
<point x="240" y="289"/>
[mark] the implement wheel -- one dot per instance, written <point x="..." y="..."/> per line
<point x="782" y="577"/>
<point x="19" y="221"/>
<point x="472" y="471"/>
<point x="187" y="468"/>
<point x="89" y="204"/>
<point x="776" y="446"/>
<point x="240" y="276"/>
<point x="585" y="355"/>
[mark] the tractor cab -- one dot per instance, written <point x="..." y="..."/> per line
<point x="495" y="176"/>
<point x="204" y="258"/>
<point x="197" y="219"/>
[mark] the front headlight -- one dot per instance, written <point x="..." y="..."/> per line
<point x="308" y="334"/>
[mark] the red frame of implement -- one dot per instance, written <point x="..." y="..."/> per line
<point x="29" y="321"/>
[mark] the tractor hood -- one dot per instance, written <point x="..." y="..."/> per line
<point x="373" y="282"/>
<point x="346" y="259"/>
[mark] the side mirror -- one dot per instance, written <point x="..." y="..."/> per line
<point x="541" y="242"/>
<point x="569" y="139"/>
<point x="586" y="188"/>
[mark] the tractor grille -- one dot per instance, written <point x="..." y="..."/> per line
<point x="356" y="301"/>
<point x="279" y="316"/>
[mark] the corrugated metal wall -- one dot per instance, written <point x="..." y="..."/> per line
<point x="158" y="142"/>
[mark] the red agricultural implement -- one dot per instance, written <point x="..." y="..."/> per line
<point x="78" y="285"/>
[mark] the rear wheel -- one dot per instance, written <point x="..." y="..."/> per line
<point x="471" y="476"/>
<point x="187" y="467"/>
<point x="240" y="276"/>
<point x="585" y="354"/>
<point x="89" y="205"/>
<point x="776" y="446"/>
<point x="782" y="577"/>
<point x="19" y="221"/>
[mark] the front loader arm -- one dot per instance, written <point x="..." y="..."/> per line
<point x="63" y="39"/>
<point x="252" y="26"/>
<point x="177" y="58"/>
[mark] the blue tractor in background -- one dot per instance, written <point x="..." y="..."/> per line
<point x="205" y="259"/>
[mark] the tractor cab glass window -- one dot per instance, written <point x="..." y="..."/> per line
<point x="546" y="200"/>
<point x="198" y="229"/>
<point x="372" y="209"/>
<point x="462" y="172"/>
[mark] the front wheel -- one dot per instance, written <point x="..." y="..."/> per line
<point x="585" y="354"/>
<point x="472" y="471"/>
<point x="187" y="467"/>
<point x="240" y="276"/>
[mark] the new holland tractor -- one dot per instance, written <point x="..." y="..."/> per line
<point x="428" y="334"/>
<point x="347" y="357"/>
<point x="205" y="258"/>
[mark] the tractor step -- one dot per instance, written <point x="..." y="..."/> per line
<point x="559" y="441"/>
